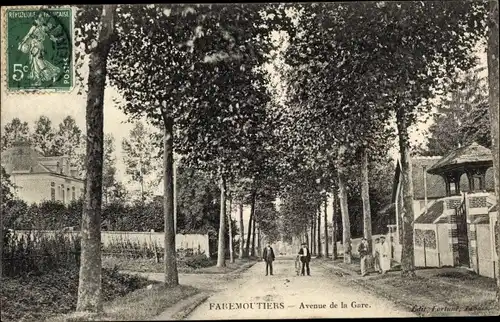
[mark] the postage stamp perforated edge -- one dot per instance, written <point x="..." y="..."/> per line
<point x="4" y="52"/>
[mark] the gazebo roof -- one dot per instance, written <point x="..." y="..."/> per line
<point x="469" y="155"/>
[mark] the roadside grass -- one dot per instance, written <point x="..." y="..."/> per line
<point x="144" y="265"/>
<point x="139" y="305"/>
<point x="433" y="292"/>
<point x="36" y="297"/>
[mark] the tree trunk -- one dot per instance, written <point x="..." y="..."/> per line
<point x="494" y="118"/>
<point x="242" y="234"/>
<point x="334" y="226"/>
<point x="319" y="230"/>
<point x="175" y="197"/>
<point x="259" y="251"/>
<point x="407" y="253"/>
<point x="89" y="286"/>
<point x="344" y="210"/>
<point x="249" y="235"/>
<point x="326" y="227"/>
<point x="365" y="197"/>
<point x="1" y="237"/>
<point x="310" y="235"/>
<point x="231" y="255"/>
<point x="221" y="250"/>
<point x="313" y="234"/>
<point x="170" y="258"/>
<point x="254" y="228"/>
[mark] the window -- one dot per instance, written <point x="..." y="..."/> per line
<point x="62" y="193"/>
<point x="52" y="191"/>
<point x="73" y="195"/>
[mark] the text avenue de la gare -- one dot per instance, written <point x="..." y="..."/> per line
<point x="281" y="306"/>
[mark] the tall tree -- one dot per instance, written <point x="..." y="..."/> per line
<point x="89" y="287"/>
<point x="494" y="106"/>
<point x="251" y="222"/>
<point x="344" y="210"/>
<point x="242" y="232"/>
<point x="80" y="156"/>
<point x="222" y="224"/>
<point x="334" y="225"/>
<point x="15" y="131"/>
<point x="67" y="139"/>
<point x="254" y="229"/>
<point x="161" y="58"/>
<point x="319" y="230"/>
<point x="365" y="196"/>
<point x="230" y="226"/>
<point x="326" y="227"/>
<point x="462" y="118"/>
<point x="110" y="187"/>
<point x="140" y="157"/>
<point x="44" y="136"/>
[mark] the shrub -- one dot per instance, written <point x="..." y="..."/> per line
<point x="37" y="253"/>
<point x="41" y="296"/>
<point x="198" y="261"/>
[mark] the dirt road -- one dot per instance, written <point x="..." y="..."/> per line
<point x="285" y="295"/>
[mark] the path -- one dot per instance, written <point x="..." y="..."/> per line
<point x="285" y="295"/>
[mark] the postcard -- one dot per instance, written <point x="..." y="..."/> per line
<point x="249" y="161"/>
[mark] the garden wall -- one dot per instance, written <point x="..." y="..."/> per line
<point x="197" y="242"/>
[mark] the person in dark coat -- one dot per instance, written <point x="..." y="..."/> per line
<point x="268" y="256"/>
<point x="305" y="258"/>
<point x="363" y="256"/>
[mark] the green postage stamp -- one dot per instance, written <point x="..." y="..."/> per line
<point x="39" y="49"/>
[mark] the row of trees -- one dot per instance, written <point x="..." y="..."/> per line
<point x="349" y="70"/>
<point x="354" y="83"/>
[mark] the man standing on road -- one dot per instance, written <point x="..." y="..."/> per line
<point x="305" y="258"/>
<point x="268" y="256"/>
<point x="363" y="255"/>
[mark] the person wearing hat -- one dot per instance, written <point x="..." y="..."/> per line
<point x="363" y="255"/>
<point x="268" y="257"/>
<point x="305" y="258"/>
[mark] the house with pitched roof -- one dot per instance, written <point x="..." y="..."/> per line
<point x="38" y="178"/>
<point x="453" y="195"/>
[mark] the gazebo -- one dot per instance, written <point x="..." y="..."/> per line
<point x="473" y="160"/>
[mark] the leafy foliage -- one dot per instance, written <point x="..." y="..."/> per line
<point x="44" y="136"/>
<point x="15" y="131"/>
<point x="37" y="253"/>
<point x="462" y="118"/>
<point x="140" y="158"/>
<point x="8" y="188"/>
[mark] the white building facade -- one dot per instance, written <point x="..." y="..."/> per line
<point x="38" y="178"/>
